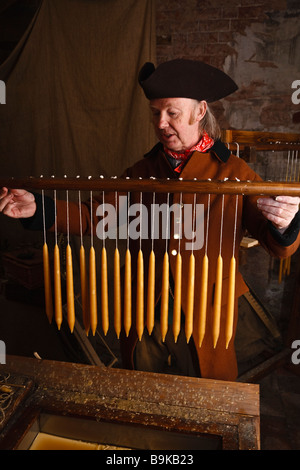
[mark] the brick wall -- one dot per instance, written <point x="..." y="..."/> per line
<point x="256" y="43"/>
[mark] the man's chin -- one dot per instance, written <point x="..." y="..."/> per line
<point x="174" y="148"/>
<point x="171" y="143"/>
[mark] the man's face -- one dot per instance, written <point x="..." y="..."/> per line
<point x="176" y="121"/>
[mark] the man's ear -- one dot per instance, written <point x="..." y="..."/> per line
<point x="202" y="107"/>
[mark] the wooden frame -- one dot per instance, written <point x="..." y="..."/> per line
<point x="264" y="141"/>
<point x="249" y="142"/>
<point x="224" y="412"/>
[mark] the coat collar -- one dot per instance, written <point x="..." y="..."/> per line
<point x="219" y="149"/>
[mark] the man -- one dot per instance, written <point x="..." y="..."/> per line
<point x="189" y="147"/>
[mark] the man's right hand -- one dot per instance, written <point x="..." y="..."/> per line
<point x="17" y="203"/>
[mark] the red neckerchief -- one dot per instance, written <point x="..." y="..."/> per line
<point x="203" y="145"/>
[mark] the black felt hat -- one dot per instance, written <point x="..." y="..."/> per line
<point x="183" y="78"/>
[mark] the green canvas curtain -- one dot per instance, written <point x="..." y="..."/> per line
<point x="73" y="104"/>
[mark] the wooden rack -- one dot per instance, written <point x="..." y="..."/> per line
<point x="250" y="142"/>
<point x="141" y="186"/>
<point x="261" y="141"/>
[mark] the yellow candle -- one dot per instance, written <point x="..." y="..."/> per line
<point x="127" y="293"/>
<point x="117" y="294"/>
<point x="151" y="293"/>
<point x="217" y="301"/>
<point x="190" y="299"/>
<point x="230" y="305"/>
<point x="70" y="289"/>
<point x="93" y="292"/>
<point x="104" y="292"/>
<point x="47" y="284"/>
<point x="177" y="297"/>
<point x="84" y="290"/>
<point x="164" y="310"/>
<point x="203" y="299"/>
<point x="57" y="288"/>
<point x="140" y="296"/>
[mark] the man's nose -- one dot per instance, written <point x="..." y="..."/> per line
<point x="162" y="122"/>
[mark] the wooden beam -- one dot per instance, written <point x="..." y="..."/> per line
<point x="155" y="185"/>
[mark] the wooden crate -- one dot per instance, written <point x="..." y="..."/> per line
<point x="144" y="410"/>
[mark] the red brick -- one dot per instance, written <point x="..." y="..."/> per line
<point x="275" y="5"/>
<point x="216" y="61"/>
<point x="275" y="114"/>
<point x="180" y="38"/>
<point x="256" y="12"/>
<point x="219" y="49"/>
<point x="163" y="52"/>
<point x="267" y="5"/>
<point x="239" y="25"/>
<point x="216" y="3"/>
<point x="165" y="5"/>
<point x="164" y="39"/>
<point x="225" y="36"/>
<point x="202" y="38"/>
<point x="168" y="22"/>
<point x="163" y="57"/>
<point x="168" y="16"/>
<point x="231" y="12"/>
<point x="189" y="50"/>
<point x="213" y="25"/>
<point x="209" y="13"/>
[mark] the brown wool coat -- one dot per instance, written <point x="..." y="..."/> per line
<point x="218" y="363"/>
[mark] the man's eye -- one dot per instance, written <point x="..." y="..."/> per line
<point x="172" y="114"/>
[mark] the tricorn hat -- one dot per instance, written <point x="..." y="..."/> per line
<point x="184" y="78"/>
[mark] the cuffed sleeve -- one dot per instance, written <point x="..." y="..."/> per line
<point x="290" y="235"/>
<point x="36" y="221"/>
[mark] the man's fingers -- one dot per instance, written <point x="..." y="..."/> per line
<point x="278" y="221"/>
<point x="22" y="194"/>
<point x="279" y="200"/>
<point x="17" y="203"/>
<point x="13" y="211"/>
<point x="3" y="192"/>
<point x="288" y="200"/>
<point x="4" y="201"/>
<point x="286" y="204"/>
<point x="280" y="211"/>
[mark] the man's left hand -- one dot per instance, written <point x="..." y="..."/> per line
<point x="280" y="210"/>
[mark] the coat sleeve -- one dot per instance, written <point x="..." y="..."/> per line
<point x="277" y="244"/>
<point x="90" y="214"/>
